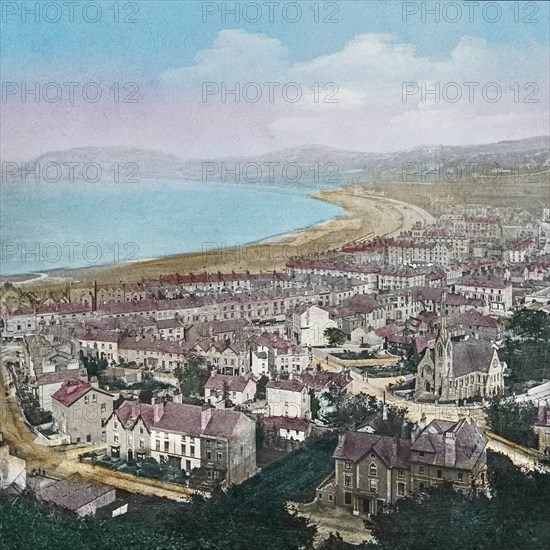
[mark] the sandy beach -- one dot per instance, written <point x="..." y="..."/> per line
<point x="366" y="216"/>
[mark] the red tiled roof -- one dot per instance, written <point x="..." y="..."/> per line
<point x="71" y="391"/>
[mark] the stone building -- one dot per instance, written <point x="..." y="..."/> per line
<point x="80" y="410"/>
<point x="372" y="471"/>
<point x="455" y="371"/>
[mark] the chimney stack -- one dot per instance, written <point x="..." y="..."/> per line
<point x="450" y="448"/>
<point x="206" y="415"/>
<point x="158" y="411"/>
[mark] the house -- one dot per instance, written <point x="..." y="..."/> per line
<point x="542" y="428"/>
<point x="283" y="357"/>
<point x="455" y="371"/>
<point x="129" y="431"/>
<point x="372" y="471"/>
<point x="288" y="398"/>
<point x="78" y="495"/>
<point x="222" y="387"/>
<point x="279" y="429"/>
<point x="479" y="326"/>
<point x="216" y="445"/>
<point x="99" y="344"/>
<point x="81" y="410"/>
<point x="47" y="384"/>
<point x="496" y="293"/>
<point x="306" y="324"/>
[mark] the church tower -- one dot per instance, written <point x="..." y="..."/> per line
<point x="443" y="362"/>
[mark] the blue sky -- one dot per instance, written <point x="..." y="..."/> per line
<point x="167" y="46"/>
<point x="169" y="33"/>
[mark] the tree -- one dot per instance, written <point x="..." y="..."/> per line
<point x="334" y="336"/>
<point x="192" y="377"/>
<point x="345" y="411"/>
<point x="512" y="420"/>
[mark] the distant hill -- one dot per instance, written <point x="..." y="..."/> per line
<point x="314" y="164"/>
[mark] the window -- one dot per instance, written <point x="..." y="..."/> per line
<point x="421" y="453"/>
<point x="115" y="438"/>
<point x="373" y="470"/>
<point x="421" y="470"/>
<point x="219" y="457"/>
<point x="103" y="407"/>
<point x="208" y="455"/>
<point x="421" y="486"/>
<point x="373" y="485"/>
<point x="347" y="465"/>
<point x="142" y="443"/>
<point x="401" y="489"/>
<point x="183" y="450"/>
<point x="166" y="446"/>
<point x="192" y="451"/>
<point x="347" y="497"/>
<point x="157" y="446"/>
<point x="94" y="398"/>
<point x="460" y="477"/>
<point x="86" y="399"/>
<point x="439" y="474"/>
<point x="207" y="442"/>
<point x="347" y="480"/>
<point x="401" y="473"/>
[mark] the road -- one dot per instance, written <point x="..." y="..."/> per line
<point x="63" y="461"/>
<point x="377" y="387"/>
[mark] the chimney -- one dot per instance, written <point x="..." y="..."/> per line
<point x="206" y="415"/>
<point x="158" y="411"/>
<point x="450" y="448"/>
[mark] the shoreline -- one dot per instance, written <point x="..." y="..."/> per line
<point x="365" y="217"/>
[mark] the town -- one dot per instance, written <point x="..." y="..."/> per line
<point x="413" y="355"/>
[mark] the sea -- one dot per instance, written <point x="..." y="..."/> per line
<point x="47" y="227"/>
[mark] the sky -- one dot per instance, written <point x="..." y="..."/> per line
<point x="209" y="79"/>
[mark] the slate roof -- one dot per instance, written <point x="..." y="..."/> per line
<point x="395" y="452"/>
<point x="56" y="377"/>
<point x="288" y="385"/>
<point x="131" y="411"/>
<point x="320" y="380"/>
<point x="464" y="442"/>
<point x="73" y="492"/>
<point x="471" y="356"/>
<point x="222" y="382"/>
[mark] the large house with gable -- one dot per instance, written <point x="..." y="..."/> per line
<point x="372" y="471"/>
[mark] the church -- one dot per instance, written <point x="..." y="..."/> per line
<point x="454" y="371"/>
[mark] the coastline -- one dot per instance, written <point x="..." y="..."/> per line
<point x="365" y="217"/>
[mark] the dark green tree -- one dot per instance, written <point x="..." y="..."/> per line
<point x="334" y="336"/>
<point x="512" y="420"/>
